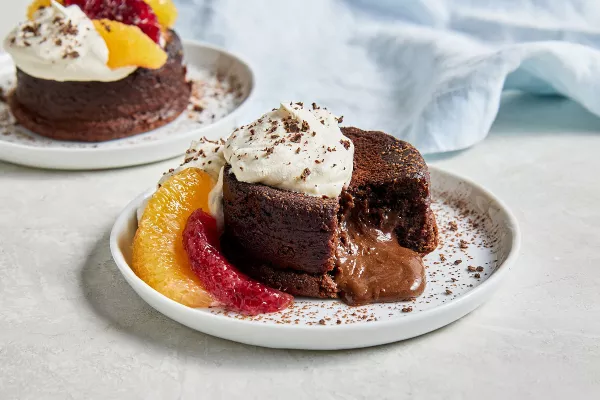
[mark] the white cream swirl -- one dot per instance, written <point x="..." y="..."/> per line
<point x="296" y="148"/>
<point x="206" y="155"/>
<point x="62" y="44"/>
<point x="203" y="154"/>
<point x="292" y="148"/>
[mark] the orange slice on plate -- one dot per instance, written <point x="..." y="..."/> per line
<point x="159" y="257"/>
<point x="37" y="4"/>
<point x="128" y="46"/>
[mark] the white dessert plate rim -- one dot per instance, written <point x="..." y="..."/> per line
<point x="488" y="285"/>
<point x="197" y="132"/>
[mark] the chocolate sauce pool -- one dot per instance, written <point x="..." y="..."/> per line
<point x="371" y="265"/>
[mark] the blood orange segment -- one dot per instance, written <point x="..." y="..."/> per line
<point x="158" y="254"/>
<point x="224" y="281"/>
<point x="130" y="12"/>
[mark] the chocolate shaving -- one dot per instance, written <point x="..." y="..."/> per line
<point x="305" y="174"/>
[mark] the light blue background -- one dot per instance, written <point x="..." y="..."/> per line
<point x="428" y="71"/>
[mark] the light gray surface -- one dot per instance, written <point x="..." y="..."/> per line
<point x="70" y="327"/>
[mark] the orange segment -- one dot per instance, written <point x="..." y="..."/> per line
<point x="128" y="46"/>
<point x="37" y="4"/>
<point x="159" y="258"/>
<point x="165" y="11"/>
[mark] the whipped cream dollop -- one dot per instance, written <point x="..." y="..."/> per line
<point x="206" y="155"/>
<point x="203" y="154"/>
<point x="294" y="147"/>
<point x="62" y="44"/>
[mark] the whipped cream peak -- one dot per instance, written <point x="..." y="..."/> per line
<point x="62" y="44"/>
<point x="203" y="154"/>
<point x="206" y="155"/>
<point x="294" y="148"/>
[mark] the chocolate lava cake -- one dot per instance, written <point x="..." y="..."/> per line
<point x="307" y="246"/>
<point x="99" y="111"/>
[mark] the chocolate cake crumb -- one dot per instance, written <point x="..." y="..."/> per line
<point x="296" y="138"/>
<point x="448" y="291"/>
<point x="305" y="174"/>
<point x="297" y="150"/>
<point x="477" y="276"/>
<point x="345" y="143"/>
<point x="340" y="119"/>
<point x="71" y="54"/>
<point x="321" y="322"/>
<point x="479" y="269"/>
<point x="69" y="29"/>
<point x="471" y="268"/>
<point x="463" y="244"/>
<point x="407" y="309"/>
<point x="442" y="257"/>
<point x="453" y="226"/>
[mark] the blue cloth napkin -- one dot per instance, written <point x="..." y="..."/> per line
<point x="427" y="71"/>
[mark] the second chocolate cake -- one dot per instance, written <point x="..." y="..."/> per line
<point x="363" y="247"/>
<point x="99" y="111"/>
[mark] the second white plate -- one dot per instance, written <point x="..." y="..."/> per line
<point x="205" y="62"/>
<point x="479" y="241"/>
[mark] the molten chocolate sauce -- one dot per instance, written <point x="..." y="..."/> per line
<point x="371" y="265"/>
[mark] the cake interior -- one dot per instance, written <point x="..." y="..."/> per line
<point x="364" y="246"/>
<point x="371" y="265"/>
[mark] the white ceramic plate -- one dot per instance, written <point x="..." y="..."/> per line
<point x="205" y="62"/>
<point x="476" y="230"/>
